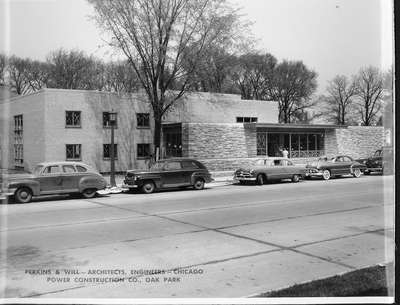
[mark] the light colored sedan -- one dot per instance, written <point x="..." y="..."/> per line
<point x="52" y="178"/>
<point x="270" y="169"/>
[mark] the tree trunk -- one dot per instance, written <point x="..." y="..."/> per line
<point x="157" y="135"/>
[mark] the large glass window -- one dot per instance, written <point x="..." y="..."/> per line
<point x="261" y="144"/>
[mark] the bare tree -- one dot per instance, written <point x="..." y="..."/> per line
<point x="18" y="69"/>
<point x="2" y="68"/>
<point x="292" y="86"/>
<point x="340" y="96"/>
<point x="120" y="77"/>
<point x="37" y="75"/>
<point x="159" y="37"/>
<point x="214" y="71"/>
<point x="369" y="88"/>
<point x="73" y="70"/>
<point x="253" y="75"/>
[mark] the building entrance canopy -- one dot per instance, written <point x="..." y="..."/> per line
<point x="299" y="140"/>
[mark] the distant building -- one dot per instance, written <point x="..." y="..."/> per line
<point x="220" y="129"/>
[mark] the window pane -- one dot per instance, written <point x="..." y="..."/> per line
<point x="303" y="142"/>
<point x="73" y="151"/>
<point x="189" y="164"/>
<point x="81" y="169"/>
<point x="172" y="165"/>
<point x="143" y="150"/>
<point x="54" y="169"/>
<point x="312" y="141"/>
<point x="107" y="151"/>
<point x="73" y="118"/>
<point x="239" y="120"/>
<point x="68" y="169"/>
<point x="261" y="143"/>
<point x="143" y="119"/>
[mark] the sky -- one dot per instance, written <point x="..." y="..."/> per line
<point x="330" y="36"/>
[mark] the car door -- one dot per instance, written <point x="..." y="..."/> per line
<point x="346" y="165"/>
<point x="290" y="169"/>
<point x="172" y="174"/>
<point x="336" y="166"/>
<point x="188" y="168"/>
<point x="50" y="180"/>
<point x="276" y="170"/>
<point x="70" y="178"/>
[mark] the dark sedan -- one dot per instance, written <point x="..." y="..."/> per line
<point x="169" y="173"/>
<point x="330" y="167"/>
<point x="374" y="163"/>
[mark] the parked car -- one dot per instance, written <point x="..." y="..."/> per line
<point x="336" y="166"/>
<point x="169" y="173"/>
<point x="51" y="178"/>
<point x="373" y="163"/>
<point x="268" y="169"/>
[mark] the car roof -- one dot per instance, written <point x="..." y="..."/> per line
<point x="177" y="159"/>
<point x="47" y="163"/>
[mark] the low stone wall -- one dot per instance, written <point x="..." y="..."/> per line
<point x="354" y="141"/>
<point x="212" y="141"/>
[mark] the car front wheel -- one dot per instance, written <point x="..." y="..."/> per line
<point x="23" y="195"/>
<point x="148" y="187"/>
<point x="260" y="179"/>
<point x="357" y="172"/>
<point x="89" y="193"/>
<point x="326" y="174"/>
<point x="198" y="184"/>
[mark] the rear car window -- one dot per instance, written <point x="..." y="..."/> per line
<point x="81" y="169"/>
<point x="190" y="165"/>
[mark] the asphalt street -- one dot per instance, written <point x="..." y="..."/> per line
<point x="227" y="241"/>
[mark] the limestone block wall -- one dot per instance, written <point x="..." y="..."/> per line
<point x="212" y="141"/>
<point x="354" y="141"/>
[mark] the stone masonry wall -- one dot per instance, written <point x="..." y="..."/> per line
<point x="211" y="141"/>
<point x="354" y="141"/>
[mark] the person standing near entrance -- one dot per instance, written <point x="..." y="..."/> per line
<point x="285" y="153"/>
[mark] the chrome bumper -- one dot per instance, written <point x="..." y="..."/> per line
<point x="244" y="178"/>
<point x="129" y="186"/>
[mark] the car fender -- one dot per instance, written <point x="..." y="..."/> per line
<point x="204" y="176"/>
<point x="154" y="177"/>
<point x="32" y="184"/>
<point x="92" y="182"/>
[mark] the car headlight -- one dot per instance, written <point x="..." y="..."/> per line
<point x="252" y="172"/>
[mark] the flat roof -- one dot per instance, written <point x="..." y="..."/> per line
<point x="294" y="126"/>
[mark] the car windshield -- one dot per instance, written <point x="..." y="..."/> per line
<point x="37" y="169"/>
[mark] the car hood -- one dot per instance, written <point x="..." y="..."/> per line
<point x="248" y="169"/>
<point x="317" y="164"/>
<point x="18" y="176"/>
